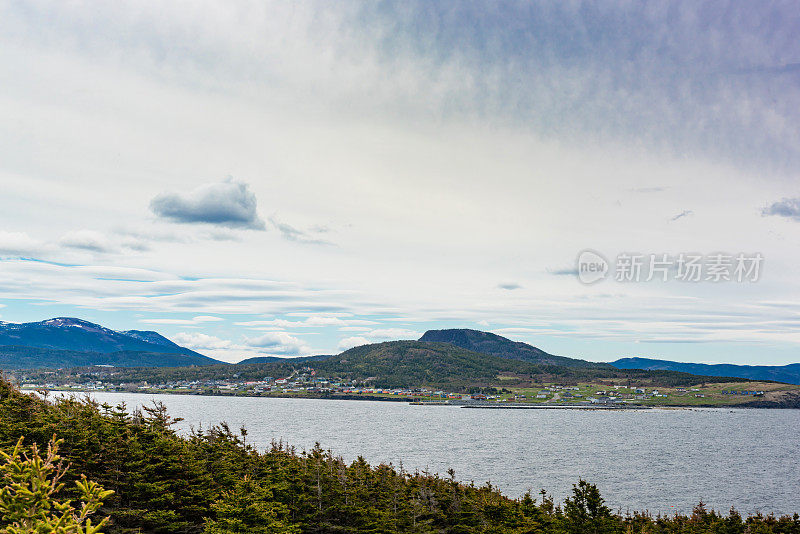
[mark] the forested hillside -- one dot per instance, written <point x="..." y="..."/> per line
<point x="489" y="343"/>
<point x="399" y="364"/>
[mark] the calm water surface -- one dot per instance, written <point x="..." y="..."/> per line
<point x="657" y="460"/>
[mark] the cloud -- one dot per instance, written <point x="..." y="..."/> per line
<point x="509" y="286"/>
<point x="206" y="318"/>
<point x="684" y="213"/>
<point x="18" y="244"/>
<point x="312" y="321"/>
<point x="200" y="342"/>
<point x="279" y="343"/>
<point x="229" y="203"/>
<point x="354" y="341"/>
<point x="787" y="207"/>
<point x="390" y="334"/>
<point x="193" y="321"/>
<point x="275" y="343"/>
<point x="290" y="233"/>
<point x="87" y="240"/>
<point x="564" y="272"/>
<point x="381" y="334"/>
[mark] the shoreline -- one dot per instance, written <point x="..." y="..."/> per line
<point x="424" y="401"/>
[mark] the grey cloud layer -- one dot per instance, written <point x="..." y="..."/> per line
<point x="230" y="204"/>
<point x="717" y="79"/>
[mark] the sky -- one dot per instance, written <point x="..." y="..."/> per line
<point x="293" y="178"/>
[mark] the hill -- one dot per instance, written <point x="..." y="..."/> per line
<point x="488" y="343"/>
<point x="416" y="363"/>
<point x="276" y="359"/>
<point x="409" y="364"/>
<point x="69" y="333"/>
<point x="789" y="374"/>
<point x="35" y="357"/>
<point x="72" y="342"/>
<point x="413" y="363"/>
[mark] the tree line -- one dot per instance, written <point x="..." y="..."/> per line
<point x="213" y="481"/>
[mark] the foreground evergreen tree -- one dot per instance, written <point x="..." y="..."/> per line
<point x="586" y="513"/>
<point x="213" y="482"/>
<point x="250" y="508"/>
<point x="28" y="501"/>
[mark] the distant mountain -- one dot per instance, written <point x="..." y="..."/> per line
<point x="36" y="358"/>
<point x="69" y="333"/>
<point x="787" y="373"/>
<point x="62" y="341"/>
<point x="488" y="343"/>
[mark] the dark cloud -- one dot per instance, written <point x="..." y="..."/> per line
<point x="787" y="207"/>
<point x="509" y="286"/>
<point x="229" y="203"/>
<point x="684" y="213"/>
<point x="564" y="272"/>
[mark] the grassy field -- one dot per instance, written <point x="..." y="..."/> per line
<point x="689" y="395"/>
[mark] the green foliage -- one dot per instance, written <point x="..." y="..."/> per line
<point x="586" y="513"/>
<point x="213" y="482"/>
<point x="28" y="499"/>
<point x="250" y="507"/>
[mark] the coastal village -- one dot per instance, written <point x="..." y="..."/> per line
<point x="304" y="382"/>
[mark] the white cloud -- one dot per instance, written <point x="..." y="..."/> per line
<point x="18" y="243"/>
<point x="206" y="319"/>
<point x="310" y="322"/>
<point x="193" y="321"/>
<point x="387" y="334"/>
<point x="220" y="349"/>
<point x="279" y="343"/>
<point x="200" y="342"/>
<point x="372" y="336"/>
